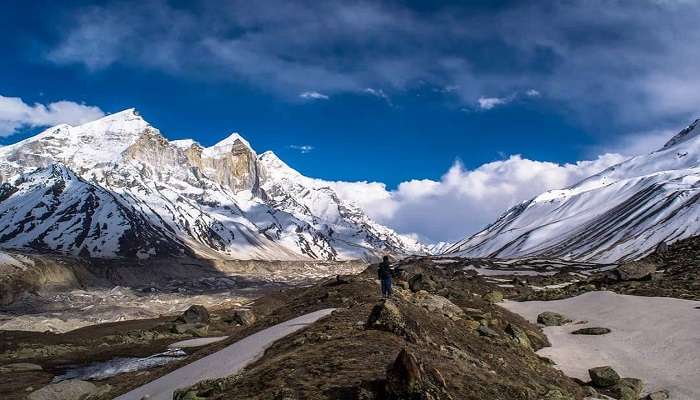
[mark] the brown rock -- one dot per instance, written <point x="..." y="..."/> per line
<point x="195" y="314"/>
<point x="404" y="376"/>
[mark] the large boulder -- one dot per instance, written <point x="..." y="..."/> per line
<point x="438" y="304"/>
<point x="519" y="336"/>
<point x="386" y="316"/>
<point x="635" y="270"/>
<point x="603" y="377"/>
<point x="72" y="389"/>
<point x="196" y="314"/>
<point x="549" y="318"/>
<point x="422" y="282"/>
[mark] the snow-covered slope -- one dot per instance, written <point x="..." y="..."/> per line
<point x="116" y="187"/>
<point x="620" y="213"/>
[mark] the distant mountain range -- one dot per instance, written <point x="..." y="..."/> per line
<point x="117" y="188"/>
<point x="621" y="213"/>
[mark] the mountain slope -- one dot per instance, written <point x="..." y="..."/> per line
<point x="116" y="187"/>
<point x="620" y="213"/>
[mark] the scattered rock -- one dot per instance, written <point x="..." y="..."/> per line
<point x="493" y="297"/>
<point x="591" y="331"/>
<point x="486" y="331"/>
<point x="195" y="314"/>
<point x="20" y="367"/>
<point x="186" y="395"/>
<point x="421" y="282"/>
<point x="242" y="317"/>
<point x="660" y="395"/>
<point x="635" y="270"/>
<point x="403" y="285"/>
<point x="603" y="377"/>
<point x="589" y="392"/>
<point x="557" y="394"/>
<point x="627" y="389"/>
<point x="199" y="330"/>
<point x="549" y="318"/>
<point x="519" y="336"/>
<point x="72" y="389"/>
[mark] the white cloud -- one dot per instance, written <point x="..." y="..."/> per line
<point x="303" y="149"/>
<point x="637" y="143"/>
<point x="487" y="103"/>
<point x="16" y="114"/>
<point x="313" y="96"/>
<point x="378" y="93"/>
<point x="532" y="93"/>
<point x="464" y="201"/>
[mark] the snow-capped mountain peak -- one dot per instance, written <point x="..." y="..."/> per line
<point x="621" y="212"/>
<point x="233" y="143"/>
<point x="126" y="191"/>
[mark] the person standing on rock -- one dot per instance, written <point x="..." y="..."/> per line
<point x="384" y="272"/>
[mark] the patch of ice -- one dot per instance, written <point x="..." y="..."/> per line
<point x="654" y="339"/>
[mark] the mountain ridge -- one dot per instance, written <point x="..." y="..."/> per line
<point x="217" y="201"/>
<point x="620" y="213"/>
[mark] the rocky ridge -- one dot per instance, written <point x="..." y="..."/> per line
<point x="116" y="187"/>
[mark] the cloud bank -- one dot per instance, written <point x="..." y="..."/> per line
<point x="464" y="201"/>
<point x="15" y="114"/>
<point x="604" y="61"/>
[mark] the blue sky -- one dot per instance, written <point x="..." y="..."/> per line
<point x="392" y="92"/>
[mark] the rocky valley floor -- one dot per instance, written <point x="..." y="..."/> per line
<point x="442" y="335"/>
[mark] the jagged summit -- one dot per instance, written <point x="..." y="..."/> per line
<point x="136" y="194"/>
<point x="686" y="134"/>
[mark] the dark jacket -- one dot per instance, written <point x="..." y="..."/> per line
<point x="384" y="270"/>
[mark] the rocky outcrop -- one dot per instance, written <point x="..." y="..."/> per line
<point x="386" y="316"/>
<point x="635" y="270"/>
<point x="407" y="379"/>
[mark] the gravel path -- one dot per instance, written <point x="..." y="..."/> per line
<point x="222" y="363"/>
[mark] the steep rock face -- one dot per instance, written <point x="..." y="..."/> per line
<point x="53" y="209"/>
<point x="126" y="191"/>
<point x="620" y="213"/>
<point x="345" y="225"/>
